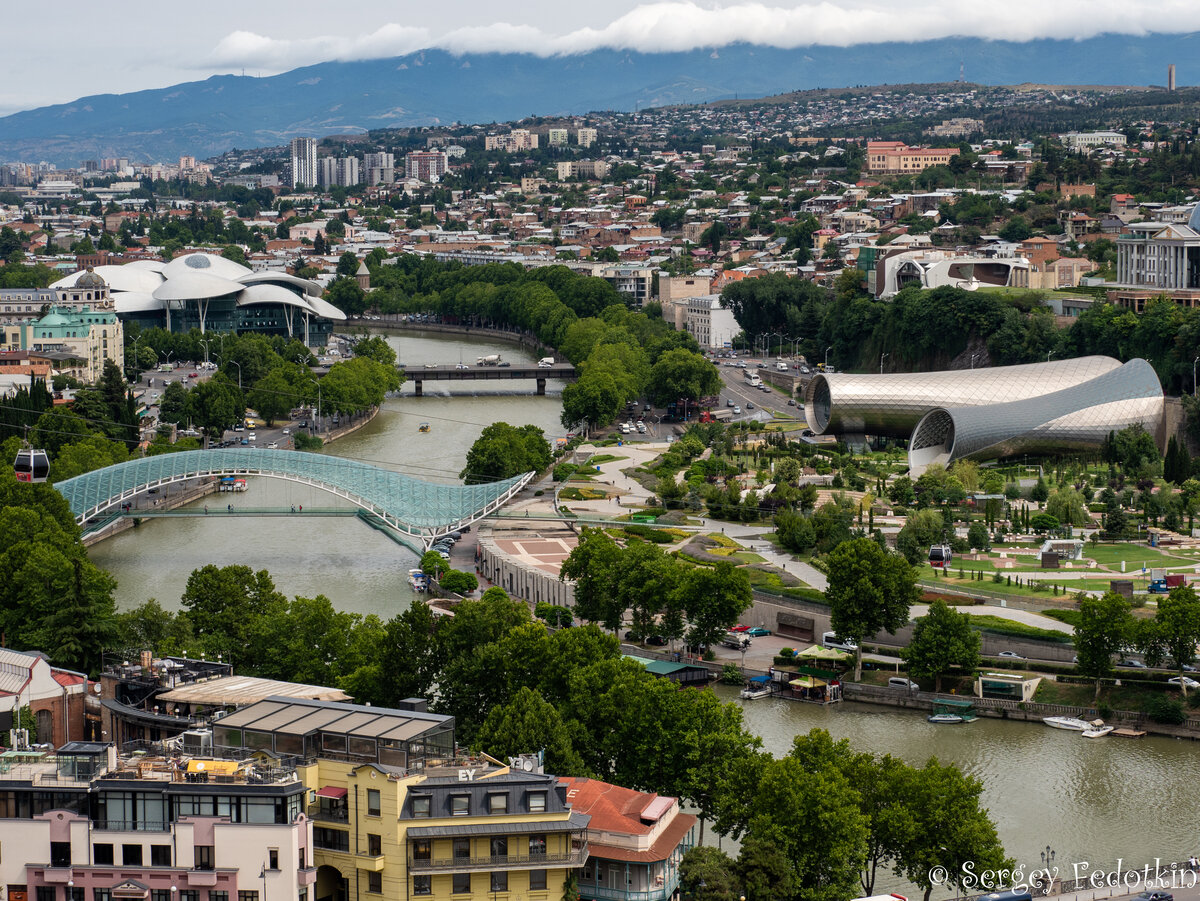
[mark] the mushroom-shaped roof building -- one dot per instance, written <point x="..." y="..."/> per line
<point x="211" y="293"/>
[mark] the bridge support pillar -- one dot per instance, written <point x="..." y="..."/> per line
<point x="541" y="386"/>
<point x="417" y="385"/>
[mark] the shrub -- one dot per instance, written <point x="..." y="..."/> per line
<point x="731" y="674"/>
<point x="1104" y="711"/>
<point x="787" y="652"/>
<point x="564" y="471"/>
<point x="303" y="442"/>
<point x="1194" y="699"/>
<point x="1166" y="710"/>
<point x="459" y="582"/>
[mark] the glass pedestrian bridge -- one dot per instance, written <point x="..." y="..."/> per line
<point x="417" y="510"/>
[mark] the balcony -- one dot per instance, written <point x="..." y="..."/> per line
<point x="656" y="893"/>
<point x="324" y="812"/>
<point x="576" y="857"/>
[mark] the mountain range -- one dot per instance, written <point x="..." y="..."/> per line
<point x="432" y="87"/>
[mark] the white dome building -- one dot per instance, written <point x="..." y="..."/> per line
<point x="213" y="294"/>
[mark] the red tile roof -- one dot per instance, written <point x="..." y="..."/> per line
<point x="624" y="811"/>
<point x="62" y="677"/>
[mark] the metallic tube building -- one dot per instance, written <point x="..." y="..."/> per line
<point x="892" y="404"/>
<point x="1073" y="419"/>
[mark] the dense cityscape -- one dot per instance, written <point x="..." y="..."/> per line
<point x="747" y="486"/>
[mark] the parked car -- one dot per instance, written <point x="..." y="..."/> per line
<point x="274" y="445"/>
<point x="656" y="640"/>
<point x="758" y="632"/>
<point x="737" y="410"/>
<point x="1184" y="681"/>
<point x="739" y="628"/>
<point x="1153" y="896"/>
<point x="193" y="375"/>
<point x="749" y="405"/>
<point x="1132" y="664"/>
<point x="1010" y="655"/>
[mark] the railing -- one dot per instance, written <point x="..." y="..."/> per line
<point x="103" y="825"/>
<point x="574" y="858"/>
<point x="317" y="812"/>
<point x="601" y="893"/>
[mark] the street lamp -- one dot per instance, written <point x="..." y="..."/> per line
<point x="1194" y="362"/>
<point x="882" y="357"/>
<point x="1049" y="355"/>
<point x="973" y="356"/>
<point x="239" y="366"/>
<point x="205" y="343"/>
<point x="827" y="350"/>
<point x="318" y="384"/>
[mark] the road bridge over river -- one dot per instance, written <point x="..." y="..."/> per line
<point x="464" y="372"/>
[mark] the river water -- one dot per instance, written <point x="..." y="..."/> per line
<point x="1091" y="801"/>
<point x="359" y="569"/>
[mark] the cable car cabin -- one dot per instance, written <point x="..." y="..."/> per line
<point x="31" y="465"/>
<point x="940" y="556"/>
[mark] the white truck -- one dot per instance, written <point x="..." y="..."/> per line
<point x="489" y="360"/>
<point x="545" y="362"/>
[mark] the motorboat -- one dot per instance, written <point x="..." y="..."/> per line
<point x="946" y="719"/>
<point x="1070" y="723"/>
<point x="753" y="693"/>
<point x="418" y="580"/>
<point x="423" y="427"/>
<point x="1097" y="731"/>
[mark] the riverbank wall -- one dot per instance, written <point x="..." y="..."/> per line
<point x="527" y="340"/>
<point x="167" y="502"/>
<point x="1023" y="711"/>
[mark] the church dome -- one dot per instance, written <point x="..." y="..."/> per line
<point x="90" y="279"/>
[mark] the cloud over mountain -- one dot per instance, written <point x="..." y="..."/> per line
<point x="683" y="25"/>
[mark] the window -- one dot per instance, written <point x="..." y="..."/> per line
<point x="218" y="896"/>
<point x="462" y="847"/>
<point x="248" y="896"/>
<point x="500" y="847"/>
<point x="375" y="883"/>
<point x="303" y="859"/>
<point x="374" y="845"/>
<point x="537" y="880"/>
<point x="498" y="803"/>
<point x="461" y="885"/>
<point x="537" y="802"/>
<point x="131" y="855"/>
<point x="60" y="854"/>
<point x="302" y="895"/>
<point x="537" y="844"/>
<point x="500" y="881"/>
<point x="159" y="894"/>
<point x="420" y="806"/>
<point x="189" y="894"/>
<point x="331" y="839"/>
<point x="160" y="855"/>
<point x="47" y="893"/>
<point x="75" y="893"/>
<point x="273" y="859"/>
<point x="102" y="854"/>
<point x="422" y="885"/>
<point x="204" y="857"/>
<point x="101" y="894"/>
<point x="422" y="849"/>
<point x="460" y="805"/>
<point x="372" y="802"/>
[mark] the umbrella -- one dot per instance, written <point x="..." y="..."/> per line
<point x="816" y="652"/>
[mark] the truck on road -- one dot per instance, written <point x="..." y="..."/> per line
<point x="489" y="360"/>
<point x="716" y="416"/>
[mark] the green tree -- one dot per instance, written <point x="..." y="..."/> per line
<point x="502" y="451"/>
<point x="235" y="253"/>
<point x="714" y="597"/>
<point x="1177" y="630"/>
<point x="1068" y="507"/>
<point x="942" y="640"/>
<point x="377" y="349"/>
<point x="229" y="607"/>
<point x="527" y="723"/>
<point x="795" y="531"/>
<point x="1104" y="628"/>
<point x="1039" y="492"/>
<point x="923" y="529"/>
<point x="215" y="405"/>
<point x="977" y="536"/>
<point x="274" y="395"/>
<point x="458" y="582"/>
<point x="869" y="591"/>
<point x="594" y="399"/>
<point x="593" y="565"/>
<point x="708" y="874"/>
<point x="680" y="374"/>
<point x="347" y="264"/>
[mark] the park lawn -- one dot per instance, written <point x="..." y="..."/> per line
<point x="1134" y="555"/>
<point x="1119" y="697"/>
<point x="762" y="579"/>
<point x="997" y="625"/>
<point x="748" y="557"/>
<point x="603" y="458"/>
<point x="723" y="541"/>
<point x="988" y="588"/>
<point x="573" y="493"/>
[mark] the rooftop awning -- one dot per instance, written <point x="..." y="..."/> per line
<point x="221" y="767"/>
<point x="331" y="791"/>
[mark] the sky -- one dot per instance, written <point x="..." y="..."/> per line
<point x="85" y="48"/>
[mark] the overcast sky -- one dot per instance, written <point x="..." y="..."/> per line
<point x="88" y="48"/>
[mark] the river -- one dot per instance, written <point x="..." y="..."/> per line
<point x="1091" y="801"/>
<point x="359" y="569"/>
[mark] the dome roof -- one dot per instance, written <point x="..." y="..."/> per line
<point x="90" y="279"/>
<point x="53" y="318"/>
<point x="204" y="264"/>
<point x="188" y="285"/>
<point x="1194" y="219"/>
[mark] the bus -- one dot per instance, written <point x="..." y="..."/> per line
<point x="940" y="556"/>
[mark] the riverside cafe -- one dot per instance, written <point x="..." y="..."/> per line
<point x="816" y="677"/>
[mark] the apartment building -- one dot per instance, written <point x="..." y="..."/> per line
<point x="90" y="336"/>
<point x="379" y="168"/>
<point x="709" y="323"/>
<point x="426" y="165"/>
<point x="896" y="157"/>
<point x="557" y="137"/>
<point x="85" y="824"/>
<point x="586" y="137"/>
<point x="342" y="171"/>
<point x="518" y="140"/>
<point x="303" y="162"/>
<point x="1090" y="140"/>
<point x="397" y="814"/>
<point x="582" y="169"/>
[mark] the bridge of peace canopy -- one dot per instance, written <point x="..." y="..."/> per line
<point x="418" y="512"/>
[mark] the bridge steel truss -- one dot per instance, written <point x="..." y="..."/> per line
<point x="416" y="510"/>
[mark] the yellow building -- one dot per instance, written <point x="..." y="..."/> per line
<point x="396" y="814"/>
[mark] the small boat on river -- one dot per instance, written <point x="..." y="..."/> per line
<point x="754" y="692"/>
<point x="423" y="427"/>
<point x="418" y="580"/>
<point x="946" y="719"/>
<point x="1070" y="723"/>
<point x="1097" y="731"/>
